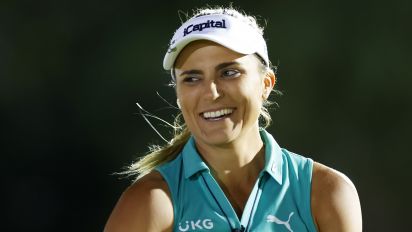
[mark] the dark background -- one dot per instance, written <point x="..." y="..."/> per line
<point x="72" y="71"/>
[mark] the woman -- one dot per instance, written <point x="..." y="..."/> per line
<point x="222" y="172"/>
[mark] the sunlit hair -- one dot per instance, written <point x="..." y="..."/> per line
<point x="159" y="155"/>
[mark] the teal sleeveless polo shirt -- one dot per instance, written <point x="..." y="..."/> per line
<point x="279" y="201"/>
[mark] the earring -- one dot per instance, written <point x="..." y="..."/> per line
<point x="178" y="103"/>
<point x="266" y="94"/>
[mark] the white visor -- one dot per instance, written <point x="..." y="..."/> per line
<point x="228" y="31"/>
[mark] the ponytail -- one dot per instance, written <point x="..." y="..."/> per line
<point x="159" y="155"/>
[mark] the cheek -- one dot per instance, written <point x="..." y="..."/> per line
<point x="182" y="97"/>
<point x="250" y="102"/>
<point x="179" y="91"/>
<point x="253" y="97"/>
<point x="256" y="105"/>
<point x="187" y="100"/>
<point x="186" y="106"/>
<point x="252" y="91"/>
<point x="187" y="113"/>
<point x="184" y="92"/>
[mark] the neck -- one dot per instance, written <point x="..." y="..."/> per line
<point x="240" y="159"/>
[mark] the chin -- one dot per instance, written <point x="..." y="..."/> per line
<point x="217" y="138"/>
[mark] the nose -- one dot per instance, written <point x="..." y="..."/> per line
<point x="212" y="91"/>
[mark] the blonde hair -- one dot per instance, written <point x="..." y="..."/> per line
<point x="158" y="155"/>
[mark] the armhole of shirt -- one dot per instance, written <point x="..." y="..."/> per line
<point x="309" y="171"/>
<point x="172" y="195"/>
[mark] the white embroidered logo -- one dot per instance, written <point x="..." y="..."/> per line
<point x="200" y="224"/>
<point x="271" y="218"/>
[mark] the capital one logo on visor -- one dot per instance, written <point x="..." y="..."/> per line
<point x="208" y="24"/>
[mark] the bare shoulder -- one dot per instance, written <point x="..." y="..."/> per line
<point x="144" y="206"/>
<point x="335" y="201"/>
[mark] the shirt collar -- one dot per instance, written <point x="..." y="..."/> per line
<point x="193" y="163"/>
<point x="273" y="156"/>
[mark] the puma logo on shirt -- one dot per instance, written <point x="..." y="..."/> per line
<point x="271" y="218"/>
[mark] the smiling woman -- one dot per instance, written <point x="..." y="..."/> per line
<point x="220" y="93"/>
<point x="222" y="171"/>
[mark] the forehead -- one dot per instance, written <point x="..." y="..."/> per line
<point x="202" y="52"/>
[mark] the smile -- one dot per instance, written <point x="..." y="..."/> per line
<point x="218" y="114"/>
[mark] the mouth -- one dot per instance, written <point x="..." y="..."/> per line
<point x="217" y="114"/>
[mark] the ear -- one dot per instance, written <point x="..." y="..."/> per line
<point x="269" y="82"/>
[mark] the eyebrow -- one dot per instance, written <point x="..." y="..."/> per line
<point x="226" y="64"/>
<point x="218" y="67"/>
<point x="191" y="72"/>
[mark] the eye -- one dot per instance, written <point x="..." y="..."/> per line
<point x="230" y="73"/>
<point x="191" y="79"/>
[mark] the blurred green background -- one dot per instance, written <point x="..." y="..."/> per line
<point x="72" y="71"/>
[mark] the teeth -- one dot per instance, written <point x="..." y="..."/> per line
<point x="218" y="113"/>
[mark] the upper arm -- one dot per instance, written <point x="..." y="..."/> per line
<point x="144" y="206"/>
<point x="335" y="202"/>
